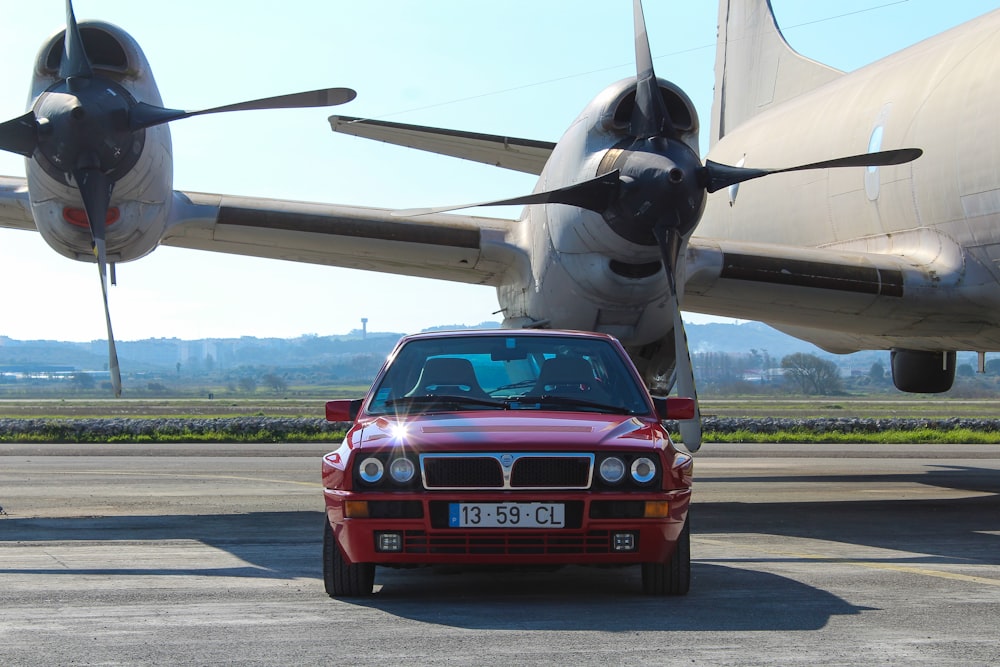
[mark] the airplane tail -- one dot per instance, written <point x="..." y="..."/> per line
<point x="755" y="67"/>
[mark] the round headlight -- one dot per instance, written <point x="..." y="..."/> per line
<point x="643" y="470"/>
<point x="371" y="470"/>
<point x="612" y="470"/>
<point x="401" y="470"/>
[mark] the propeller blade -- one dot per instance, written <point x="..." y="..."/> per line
<point x="649" y="116"/>
<point x="690" y="428"/>
<point x="74" y="61"/>
<point x="113" y="368"/>
<point x="145" y="115"/>
<point x="96" y="193"/>
<point x="19" y="135"/>
<point x="593" y="195"/>
<point x="722" y="175"/>
<point x="670" y="244"/>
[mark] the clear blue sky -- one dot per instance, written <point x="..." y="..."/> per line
<point x="519" y="67"/>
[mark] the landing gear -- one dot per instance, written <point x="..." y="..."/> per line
<point x="674" y="576"/>
<point x="340" y="578"/>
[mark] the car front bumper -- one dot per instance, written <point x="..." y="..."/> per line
<point x="413" y="529"/>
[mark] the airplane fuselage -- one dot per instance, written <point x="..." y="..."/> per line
<point x="939" y="215"/>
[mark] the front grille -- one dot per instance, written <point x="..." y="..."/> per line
<point x="467" y="472"/>
<point x="552" y="470"/>
<point x="491" y="543"/>
<point x="534" y="472"/>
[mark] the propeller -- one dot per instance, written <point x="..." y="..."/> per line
<point x="654" y="193"/>
<point x="90" y="131"/>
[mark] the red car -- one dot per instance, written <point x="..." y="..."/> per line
<point x="510" y="447"/>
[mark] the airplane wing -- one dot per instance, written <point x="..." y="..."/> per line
<point x="839" y="300"/>
<point x="15" y="210"/>
<point x="524" y="155"/>
<point x="458" y="248"/>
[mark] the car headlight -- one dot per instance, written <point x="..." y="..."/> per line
<point x="402" y="470"/>
<point x="612" y="470"/>
<point x="371" y="470"/>
<point x="643" y="470"/>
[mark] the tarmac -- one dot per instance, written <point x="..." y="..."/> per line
<point x="210" y="554"/>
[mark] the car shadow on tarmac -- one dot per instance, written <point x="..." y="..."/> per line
<point x="278" y="545"/>
<point x="287" y="545"/>
<point x="943" y="529"/>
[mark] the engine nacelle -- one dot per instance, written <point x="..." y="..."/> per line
<point x="141" y="193"/>
<point x="589" y="275"/>
<point x="593" y="141"/>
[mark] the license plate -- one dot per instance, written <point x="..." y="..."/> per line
<point x="506" y="515"/>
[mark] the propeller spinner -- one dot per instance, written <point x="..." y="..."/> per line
<point x="89" y="130"/>
<point x="655" y="191"/>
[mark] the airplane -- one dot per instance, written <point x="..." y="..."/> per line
<point x="839" y="280"/>
<point x="900" y="255"/>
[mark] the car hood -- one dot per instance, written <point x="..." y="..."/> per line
<point x="512" y="429"/>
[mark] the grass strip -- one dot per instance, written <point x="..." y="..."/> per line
<point x="918" y="436"/>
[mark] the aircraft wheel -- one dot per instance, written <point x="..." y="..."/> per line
<point x="340" y="578"/>
<point x="674" y="576"/>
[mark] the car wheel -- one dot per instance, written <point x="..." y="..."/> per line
<point x="674" y="576"/>
<point x="340" y="578"/>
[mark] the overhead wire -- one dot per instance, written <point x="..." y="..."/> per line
<point x="578" y="75"/>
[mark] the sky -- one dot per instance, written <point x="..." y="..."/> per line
<point x="521" y="68"/>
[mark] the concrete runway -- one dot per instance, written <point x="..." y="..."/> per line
<point x="209" y="554"/>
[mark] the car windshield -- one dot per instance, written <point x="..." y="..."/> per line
<point x="508" y="372"/>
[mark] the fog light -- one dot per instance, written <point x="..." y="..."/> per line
<point x="623" y="541"/>
<point x="388" y="542"/>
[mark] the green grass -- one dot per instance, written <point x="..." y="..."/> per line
<point x="59" y="410"/>
<point x="876" y="406"/>
<point x="907" y="436"/>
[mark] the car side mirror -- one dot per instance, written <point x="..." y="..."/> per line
<point x="343" y="409"/>
<point x="674" y="408"/>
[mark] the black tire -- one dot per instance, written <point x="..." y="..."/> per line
<point x="674" y="576"/>
<point x="340" y="579"/>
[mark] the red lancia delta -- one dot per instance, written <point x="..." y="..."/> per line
<point x="507" y="448"/>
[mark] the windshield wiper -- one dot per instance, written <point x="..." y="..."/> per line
<point x="446" y="399"/>
<point x="571" y="401"/>
<point x="516" y="385"/>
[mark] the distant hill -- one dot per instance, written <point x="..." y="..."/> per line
<point x="163" y="354"/>
<point x="743" y="337"/>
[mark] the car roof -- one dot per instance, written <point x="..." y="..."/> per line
<point x="465" y="333"/>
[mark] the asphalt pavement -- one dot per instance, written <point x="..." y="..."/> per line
<point x="210" y="554"/>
